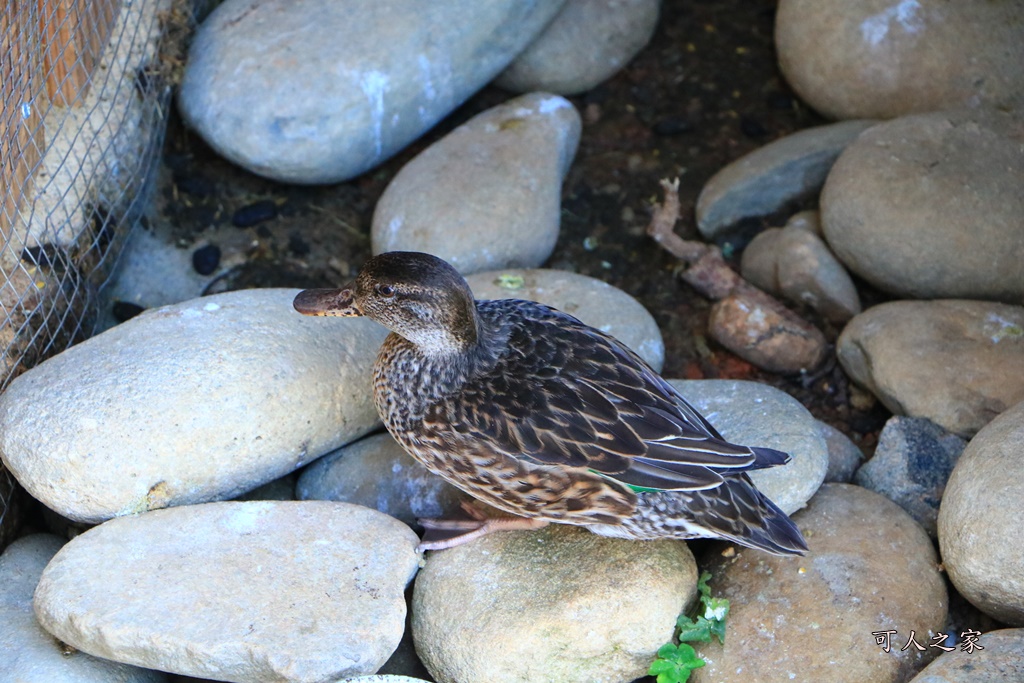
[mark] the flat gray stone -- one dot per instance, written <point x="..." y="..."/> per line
<point x="772" y="176"/>
<point x="587" y="43"/>
<point x="28" y="654"/>
<point x="980" y="531"/>
<point x="558" y="604"/>
<point x="487" y="195"/>
<point x="318" y="92"/>
<point x="594" y="302"/>
<point x="753" y="414"/>
<point x="248" y="592"/>
<point x="199" y="401"/>
<point x="378" y="473"/>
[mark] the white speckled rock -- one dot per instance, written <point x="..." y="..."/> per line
<point x="378" y="473"/>
<point x="594" y="302"/>
<point x="980" y="531"/>
<point x="487" y="195"/>
<point x="869" y="568"/>
<point x="199" y="401"/>
<point x="245" y="592"/>
<point x="587" y="43"/>
<point x="930" y="206"/>
<point x="765" y="180"/>
<point x="307" y="91"/>
<point x="886" y="58"/>
<point x="753" y="414"/>
<point x="28" y="654"/>
<point x="558" y="604"/>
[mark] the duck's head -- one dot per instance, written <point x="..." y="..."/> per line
<point x="418" y="296"/>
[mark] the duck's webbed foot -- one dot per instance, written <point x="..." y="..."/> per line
<point x="448" y="533"/>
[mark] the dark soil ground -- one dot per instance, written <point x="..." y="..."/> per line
<point x="703" y="93"/>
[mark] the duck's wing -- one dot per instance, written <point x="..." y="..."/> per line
<point x="563" y="393"/>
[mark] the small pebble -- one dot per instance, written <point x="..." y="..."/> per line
<point x="206" y="259"/>
<point x="252" y="214"/>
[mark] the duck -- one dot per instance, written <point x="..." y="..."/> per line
<point x="546" y="419"/>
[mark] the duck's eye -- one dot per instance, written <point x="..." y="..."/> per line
<point x="386" y="291"/>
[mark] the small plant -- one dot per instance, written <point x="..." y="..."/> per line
<point x="675" y="662"/>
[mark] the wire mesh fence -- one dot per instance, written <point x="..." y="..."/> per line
<point x="84" y="90"/>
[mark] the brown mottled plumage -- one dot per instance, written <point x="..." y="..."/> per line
<point x="535" y="413"/>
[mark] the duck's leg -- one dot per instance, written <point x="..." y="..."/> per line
<point x="448" y="533"/>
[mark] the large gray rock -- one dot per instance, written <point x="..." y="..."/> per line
<point x="753" y="414"/>
<point x="886" y="58"/>
<point x="199" y="401"/>
<point x="870" y="568"/>
<point x="930" y="206"/>
<point x="28" y="654"/>
<point x="957" y="363"/>
<point x="587" y="43"/>
<point x="488" y="195"/>
<point x="559" y="604"/>
<point x="245" y="592"/>
<point x="980" y="533"/>
<point x="594" y="302"/>
<point x="317" y="92"/>
<point x="770" y="177"/>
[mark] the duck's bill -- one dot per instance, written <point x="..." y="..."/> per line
<point x="338" y="303"/>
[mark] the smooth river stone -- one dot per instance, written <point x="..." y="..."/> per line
<point x="487" y="195"/>
<point x="199" y="401"/>
<point x="587" y="43"/>
<point x="886" y="58"/>
<point x="594" y="302"/>
<point x="558" y="604"/>
<point x="930" y="206"/>
<point x="980" y="531"/>
<point x="957" y="363"/>
<point x="249" y="592"/>
<point x="1002" y="661"/>
<point x="772" y="176"/>
<point x="869" y="568"/>
<point x="307" y="91"/>
<point x="28" y="654"/>
<point x="753" y="414"/>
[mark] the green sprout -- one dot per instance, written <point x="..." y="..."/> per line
<point x="675" y="662"/>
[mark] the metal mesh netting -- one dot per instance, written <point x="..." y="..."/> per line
<point x="84" y="91"/>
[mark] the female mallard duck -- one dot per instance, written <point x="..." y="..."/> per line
<point x="535" y="413"/>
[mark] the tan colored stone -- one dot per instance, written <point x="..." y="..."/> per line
<point x="980" y="533"/>
<point x="559" y="604"/>
<point x="930" y="206"/>
<point x="870" y="568"/>
<point x="248" y="592"/>
<point x="1002" y="661"/>
<point x="596" y="303"/>
<point x="886" y="58"/>
<point x="957" y="363"/>
<point x="487" y="195"/>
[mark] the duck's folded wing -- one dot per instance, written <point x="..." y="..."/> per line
<point x="566" y="394"/>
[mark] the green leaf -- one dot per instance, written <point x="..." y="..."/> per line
<point x="674" y="663"/>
